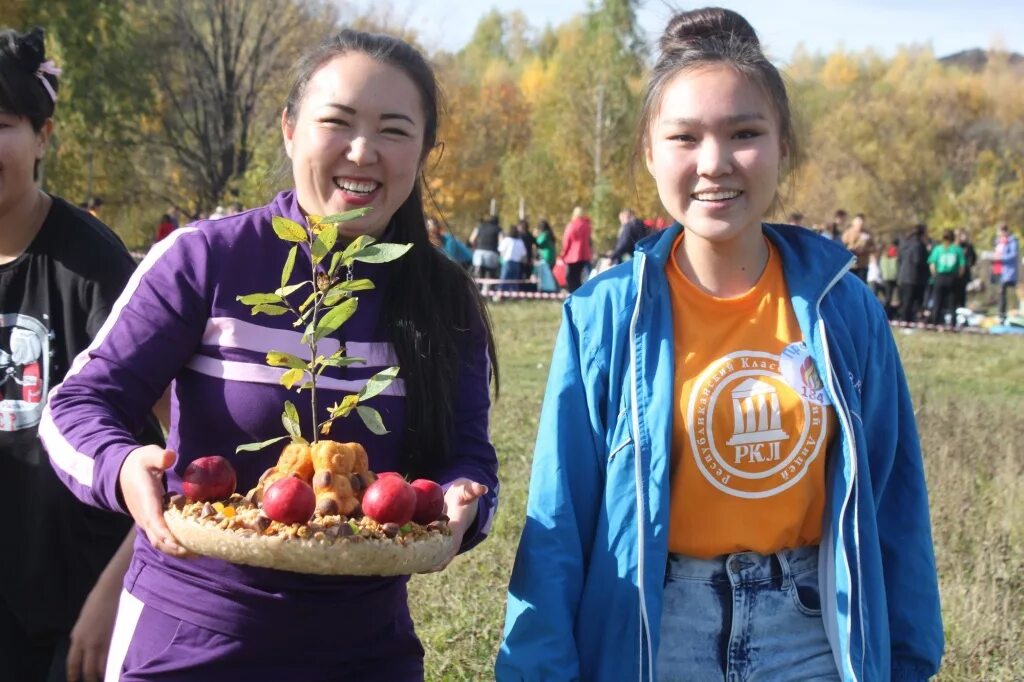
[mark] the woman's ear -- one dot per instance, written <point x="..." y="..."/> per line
<point x="287" y="132"/>
<point x="43" y="138"/>
<point x="649" y="157"/>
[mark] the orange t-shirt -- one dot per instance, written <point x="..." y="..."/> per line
<point x="752" y="423"/>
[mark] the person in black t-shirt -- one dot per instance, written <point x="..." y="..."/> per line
<point x="484" y="242"/>
<point x="631" y="230"/>
<point x="61" y="271"/>
<point x="971" y="258"/>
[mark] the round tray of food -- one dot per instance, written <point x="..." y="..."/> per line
<point x="320" y="510"/>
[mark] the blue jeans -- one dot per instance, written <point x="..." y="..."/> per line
<point x="744" y="616"/>
<point x="511" y="270"/>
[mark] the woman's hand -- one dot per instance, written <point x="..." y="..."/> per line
<point x="142" y="487"/>
<point x="89" y="641"/>
<point x="90" y="638"/>
<point x="461" y="504"/>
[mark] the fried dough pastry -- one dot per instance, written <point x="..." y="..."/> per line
<point x="295" y="460"/>
<point x="341" y="473"/>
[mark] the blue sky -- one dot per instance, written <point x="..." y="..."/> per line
<point x="947" y="25"/>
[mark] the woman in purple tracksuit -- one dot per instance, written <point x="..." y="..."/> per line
<point x="359" y="121"/>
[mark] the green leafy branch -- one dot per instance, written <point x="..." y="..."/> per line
<point x="327" y="302"/>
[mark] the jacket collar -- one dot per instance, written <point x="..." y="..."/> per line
<point x="812" y="264"/>
<point x="286" y="205"/>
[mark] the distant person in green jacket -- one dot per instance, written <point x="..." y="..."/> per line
<point x="947" y="264"/>
<point x="546" y="243"/>
<point x="889" y="265"/>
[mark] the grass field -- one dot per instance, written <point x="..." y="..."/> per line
<point x="969" y="396"/>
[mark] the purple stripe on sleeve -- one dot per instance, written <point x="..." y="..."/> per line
<point x="227" y="332"/>
<point x="232" y="370"/>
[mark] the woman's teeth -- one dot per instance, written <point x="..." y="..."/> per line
<point x="357" y="187"/>
<point x="716" y="196"/>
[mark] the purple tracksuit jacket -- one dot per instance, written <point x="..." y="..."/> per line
<point x="178" y="321"/>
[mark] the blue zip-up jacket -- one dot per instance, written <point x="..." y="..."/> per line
<point x="585" y="595"/>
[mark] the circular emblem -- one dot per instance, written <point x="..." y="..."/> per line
<point x="752" y="433"/>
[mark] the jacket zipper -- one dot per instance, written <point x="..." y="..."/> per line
<point x="645" y="626"/>
<point x="845" y="419"/>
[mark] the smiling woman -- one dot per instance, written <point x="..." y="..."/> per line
<point x="359" y="121"/>
<point x="356" y="139"/>
<point x="750" y="427"/>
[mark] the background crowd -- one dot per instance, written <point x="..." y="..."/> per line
<point x="919" y="275"/>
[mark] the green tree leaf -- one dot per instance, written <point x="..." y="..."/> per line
<point x="341" y="290"/>
<point x="267" y="309"/>
<point x="289" y="230"/>
<point x="371" y="418"/>
<point x="356" y="285"/>
<point x="253" y="447"/>
<point x="335" y="260"/>
<point x="381" y="253"/>
<point x="334" y="296"/>
<point x="290" y="419"/>
<point x="357" y="245"/>
<point x="276" y="358"/>
<point x="334" y="318"/>
<point x="345" y="407"/>
<point x="341" y="361"/>
<point x="325" y="241"/>
<point x="292" y="377"/>
<point x="306" y="304"/>
<point x="289" y="265"/>
<point x="257" y="299"/>
<point x="286" y="291"/>
<point x="378" y="382"/>
<point x="346" y="216"/>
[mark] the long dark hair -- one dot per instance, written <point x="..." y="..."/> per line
<point x="22" y="93"/>
<point x="433" y="307"/>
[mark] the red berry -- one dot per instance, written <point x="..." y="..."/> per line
<point x="289" y="500"/>
<point x="208" y="479"/>
<point x="390" y="499"/>
<point x="429" y="501"/>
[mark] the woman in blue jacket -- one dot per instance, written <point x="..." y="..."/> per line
<point x="727" y="481"/>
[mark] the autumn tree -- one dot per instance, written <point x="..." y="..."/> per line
<point x="219" y="79"/>
<point x="585" y="97"/>
<point x="487" y="120"/>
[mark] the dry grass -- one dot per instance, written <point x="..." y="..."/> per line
<point x="969" y="392"/>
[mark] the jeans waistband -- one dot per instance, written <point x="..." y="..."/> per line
<point x="745" y="566"/>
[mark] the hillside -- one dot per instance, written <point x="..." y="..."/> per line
<point x="976" y="59"/>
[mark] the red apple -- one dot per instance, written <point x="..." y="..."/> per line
<point x="385" y="474"/>
<point x="208" y="479"/>
<point x="289" y="500"/>
<point x="390" y="499"/>
<point x="429" y="500"/>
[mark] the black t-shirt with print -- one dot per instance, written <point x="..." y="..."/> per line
<point x="53" y="300"/>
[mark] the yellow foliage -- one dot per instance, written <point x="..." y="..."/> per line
<point x="551" y="119"/>
<point x="534" y="80"/>
<point x="840" y="71"/>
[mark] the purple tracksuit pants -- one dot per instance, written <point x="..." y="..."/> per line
<point x="151" y="645"/>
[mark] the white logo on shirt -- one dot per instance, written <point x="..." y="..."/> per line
<point x="769" y="431"/>
<point x="24" y="371"/>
